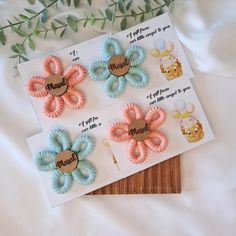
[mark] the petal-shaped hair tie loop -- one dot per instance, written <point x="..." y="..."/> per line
<point x="74" y="99"/>
<point x="61" y="82"/>
<point x="140" y="130"/>
<point x="118" y="65"/>
<point x="114" y="86"/>
<point x="85" y="173"/>
<point x="67" y="161"/>
<point x="53" y="107"/>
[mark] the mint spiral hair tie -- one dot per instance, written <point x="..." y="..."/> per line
<point x="67" y="161"/>
<point x="118" y="67"/>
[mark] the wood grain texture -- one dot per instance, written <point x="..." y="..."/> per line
<point x="161" y="178"/>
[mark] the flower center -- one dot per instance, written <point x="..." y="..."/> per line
<point x="66" y="161"/>
<point x="118" y="65"/>
<point x="56" y="85"/>
<point x="139" y="129"/>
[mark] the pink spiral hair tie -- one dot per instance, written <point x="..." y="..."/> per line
<point x="57" y="86"/>
<point x="140" y="130"/>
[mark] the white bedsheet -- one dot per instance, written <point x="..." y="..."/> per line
<point x="207" y="205"/>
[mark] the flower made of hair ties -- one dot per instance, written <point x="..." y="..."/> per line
<point x="57" y="86"/>
<point x="67" y="161"/>
<point x="118" y="67"/>
<point x="141" y="131"/>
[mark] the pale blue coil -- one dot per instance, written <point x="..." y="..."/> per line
<point x="84" y="173"/>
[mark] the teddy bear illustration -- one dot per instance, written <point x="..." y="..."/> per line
<point x="191" y="127"/>
<point x="170" y="65"/>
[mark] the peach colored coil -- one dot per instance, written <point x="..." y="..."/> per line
<point x="155" y="117"/>
<point x="73" y="97"/>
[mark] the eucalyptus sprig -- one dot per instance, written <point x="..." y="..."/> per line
<point x="32" y="24"/>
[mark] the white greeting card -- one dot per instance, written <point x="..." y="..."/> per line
<point x="185" y="127"/>
<point x="144" y="65"/>
<point x="101" y="158"/>
<point x="155" y="35"/>
<point x="163" y="54"/>
<point x="78" y="54"/>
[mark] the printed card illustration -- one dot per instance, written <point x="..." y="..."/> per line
<point x="191" y="127"/>
<point x="155" y="125"/>
<point x="170" y="65"/>
<point x="136" y="60"/>
<point x="73" y="161"/>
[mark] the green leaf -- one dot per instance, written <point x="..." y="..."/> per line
<point x="158" y="2"/>
<point x="24" y="58"/>
<point x="60" y="22"/>
<point x="14" y="49"/>
<point x="32" y="2"/>
<point x="62" y="33"/>
<point x="148" y="7"/>
<point x="29" y="23"/>
<point x="159" y="12"/>
<point x="85" y="23"/>
<point x="89" y="2"/>
<point x="167" y="2"/>
<point x="113" y="18"/>
<point x="43" y="3"/>
<point x="11" y="24"/>
<point x="142" y="18"/>
<point x="72" y="22"/>
<point x="103" y="24"/>
<point x="93" y="19"/>
<point x="76" y="3"/>
<point x="53" y="27"/>
<point x="31" y="44"/>
<point x="17" y="19"/>
<point x="23" y="17"/>
<point x="109" y="14"/>
<point x="36" y="31"/>
<point x="140" y="8"/>
<point x="129" y="5"/>
<point x="133" y="13"/>
<point x="20" y="32"/>
<point x="2" y="37"/>
<point x="102" y="13"/>
<point x="20" y="48"/>
<point x="30" y="11"/>
<point x="13" y="56"/>
<point x="68" y="2"/>
<point x="45" y="34"/>
<point x="123" y="23"/>
<point x="121" y="6"/>
<point x="44" y="15"/>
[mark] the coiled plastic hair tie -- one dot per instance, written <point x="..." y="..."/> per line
<point x="58" y="86"/>
<point x="140" y="130"/>
<point x="67" y="161"/>
<point x="118" y="67"/>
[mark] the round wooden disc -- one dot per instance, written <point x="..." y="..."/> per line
<point x="139" y="129"/>
<point x="66" y="161"/>
<point x="118" y="65"/>
<point x="56" y="85"/>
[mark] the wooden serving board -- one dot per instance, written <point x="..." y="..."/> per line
<point x="161" y="178"/>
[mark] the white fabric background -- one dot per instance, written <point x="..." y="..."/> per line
<point x="207" y="205"/>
